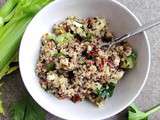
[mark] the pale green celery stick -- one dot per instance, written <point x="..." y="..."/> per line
<point x="16" y="14"/>
<point x="7" y="69"/>
<point x="4" y="71"/>
<point x="7" y="29"/>
<point x="1" y="21"/>
<point x="25" y="7"/>
<point x="7" y="18"/>
<point x="7" y="7"/>
<point x="10" y="15"/>
<point x="11" y="33"/>
<point x="36" y="6"/>
<point x="11" y="40"/>
<point x="9" y="26"/>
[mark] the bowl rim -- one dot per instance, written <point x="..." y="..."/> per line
<point x="125" y="105"/>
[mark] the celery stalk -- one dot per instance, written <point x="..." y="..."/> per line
<point x="7" y="7"/>
<point x="11" y="32"/>
<point x="36" y="6"/>
<point x="11" y="41"/>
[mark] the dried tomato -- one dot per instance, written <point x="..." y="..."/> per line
<point x="76" y="98"/>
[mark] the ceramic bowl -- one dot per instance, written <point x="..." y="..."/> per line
<point x="121" y="20"/>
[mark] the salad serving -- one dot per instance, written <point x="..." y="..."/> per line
<point x="73" y="65"/>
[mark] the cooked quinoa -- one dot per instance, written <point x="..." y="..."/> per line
<point x="73" y="65"/>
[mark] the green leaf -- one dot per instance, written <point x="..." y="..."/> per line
<point x="106" y="92"/>
<point x="26" y="109"/>
<point x="135" y="114"/>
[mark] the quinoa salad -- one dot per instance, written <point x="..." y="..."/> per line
<point x="73" y="65"/>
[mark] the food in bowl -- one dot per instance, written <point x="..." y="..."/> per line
<point x="73" y="65"/>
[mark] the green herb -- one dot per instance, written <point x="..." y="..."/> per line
<point x="82" y="61"/>
<point x="50" y="66"/>
<point x="88" y="36"/>
<point x="26" y="109"/>
<point x="106" y="92"/>
<point x="135" y="114"/>
<point x="130" y="61"/>
<point x="58" y="54"/>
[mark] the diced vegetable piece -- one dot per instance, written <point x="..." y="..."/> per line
<point x="129" y="62"/>
<point x="88" y="36"/>
<point x="51" y="37"/>
<point x="107" y="70"/>
<point x="64" y="38"/>
<point x="118" y="75"/>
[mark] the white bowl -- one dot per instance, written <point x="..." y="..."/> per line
<point x="121" y="20"/>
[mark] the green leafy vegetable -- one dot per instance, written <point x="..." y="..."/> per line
<point x="105" y="92"/>
<point x="130" y="61"/>
<point x="135" y="114"/>
<point x="26" y="109"/>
